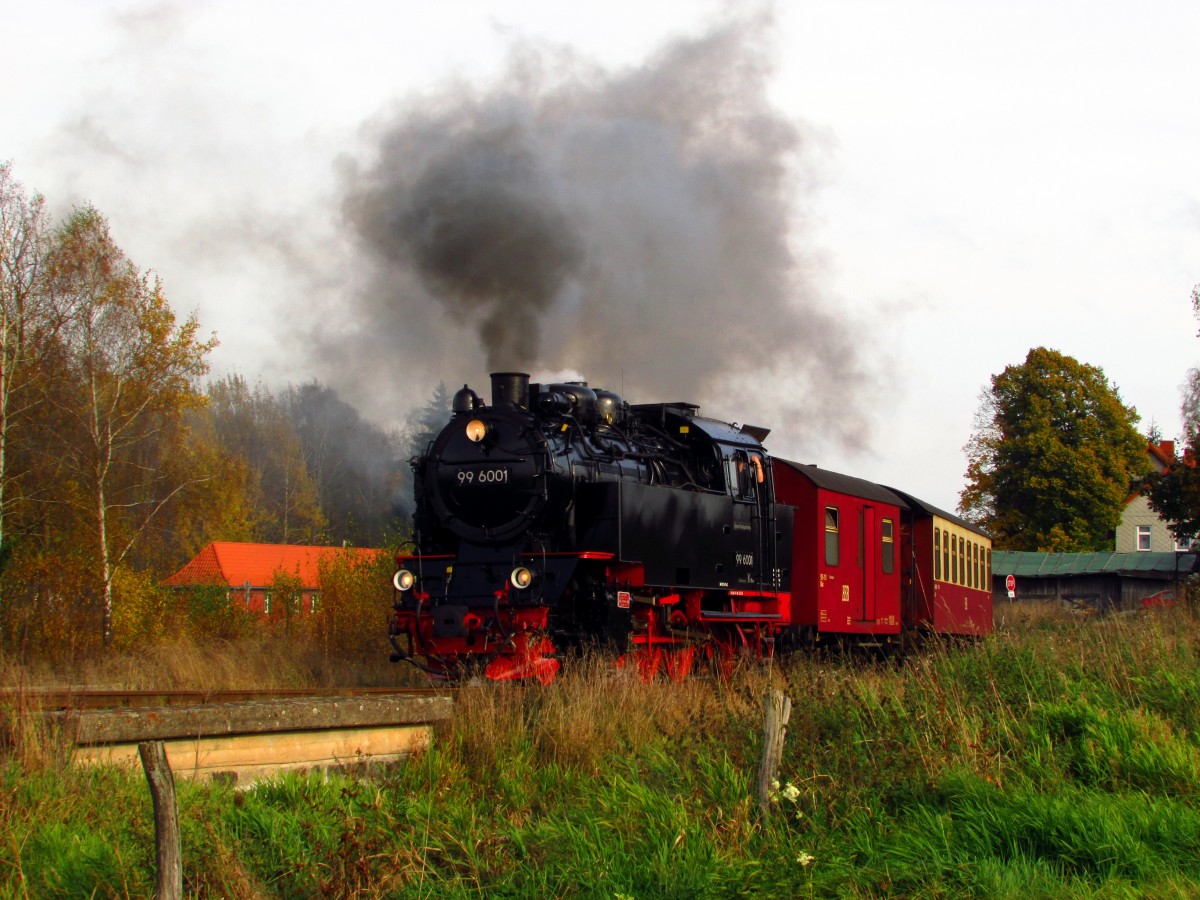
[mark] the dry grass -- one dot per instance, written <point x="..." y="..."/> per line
<point x="180" y="664"/>
<point x="594" y="710"/>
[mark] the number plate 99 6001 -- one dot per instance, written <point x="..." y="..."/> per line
<point x="497" y="475"/>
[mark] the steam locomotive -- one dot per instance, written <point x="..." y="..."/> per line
<point x="559" y="515"/>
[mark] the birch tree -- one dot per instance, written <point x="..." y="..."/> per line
<point x="130" y="373"/>
<point x="28" y="319"/>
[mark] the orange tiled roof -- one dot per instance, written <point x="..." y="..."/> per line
<point x="227" y="562"/>
<point x="1163" y="452"/>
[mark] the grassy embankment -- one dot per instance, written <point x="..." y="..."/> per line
<point x="1060" y="758"/>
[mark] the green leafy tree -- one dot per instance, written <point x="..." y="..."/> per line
<point x="1175" y="493"/>
<point x="1054" y="457"/>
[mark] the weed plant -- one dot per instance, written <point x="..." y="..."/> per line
<point x="1060" y="757"/>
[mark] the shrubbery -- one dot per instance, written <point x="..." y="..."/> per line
<point x="1060" y="757"/>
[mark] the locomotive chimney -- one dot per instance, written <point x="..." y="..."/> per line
<point x="510" y="389"/>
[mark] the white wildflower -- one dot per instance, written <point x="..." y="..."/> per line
<point x="805" y="859"/>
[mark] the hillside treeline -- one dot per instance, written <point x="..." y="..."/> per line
<point x="119" y="460"/>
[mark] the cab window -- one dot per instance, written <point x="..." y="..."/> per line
<point x="746" y="473"/>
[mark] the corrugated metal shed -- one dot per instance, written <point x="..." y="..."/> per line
<point x="1056" y="565"/>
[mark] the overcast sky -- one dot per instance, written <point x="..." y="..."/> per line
<point x="834" y="218"/>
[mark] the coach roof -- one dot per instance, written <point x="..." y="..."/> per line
<point x="844" y="484"/>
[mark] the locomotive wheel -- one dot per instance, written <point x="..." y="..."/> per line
<point x="676" y="661"/>
<point x="527" y="659"/>
<point x="720" y="656"/>
<point x="679" y="661"/>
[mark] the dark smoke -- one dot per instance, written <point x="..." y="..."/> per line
<point x="635" y="228"/>
<point x="484" y="230"/>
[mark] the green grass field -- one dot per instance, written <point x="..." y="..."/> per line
<point x="1060" y="757"/>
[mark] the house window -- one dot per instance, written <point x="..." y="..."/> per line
<point x="831" y="536"/>
<point x="1143" y="537"/>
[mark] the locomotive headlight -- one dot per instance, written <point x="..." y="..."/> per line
<point x="476" y="430"/>
<point x="404" y="579"/>
<point x="521" y="578"/>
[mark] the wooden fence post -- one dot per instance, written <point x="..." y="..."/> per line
<point x="166" y="820"/>
<point x="779" y="710"/>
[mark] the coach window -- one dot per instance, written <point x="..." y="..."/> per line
<point x="953" y="572"/>
<point x="937" y="554"/>
<point x="889" y="548"/>
<point x="972" y="561"/>
<point x="945" y="556"/>
<point x="831" y="536"/>
<point x="975" y="566"/>
<point x="962" y="560"/>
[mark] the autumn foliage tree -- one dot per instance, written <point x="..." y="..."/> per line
<point x="29" y="320"/>
<point x="128" y="371"/>
<point x="117" y="465"/>
<point x="1054" y="457"/>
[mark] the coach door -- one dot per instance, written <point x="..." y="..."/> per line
<point x="868" y="559"/>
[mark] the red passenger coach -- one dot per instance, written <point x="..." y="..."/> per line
<point x="845" y="559"/>
<point x="947" y="572"/>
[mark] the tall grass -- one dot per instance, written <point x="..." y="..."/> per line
<point x="1059" y="758"/>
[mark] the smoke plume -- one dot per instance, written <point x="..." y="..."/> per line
<point x="634" y="227"/>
